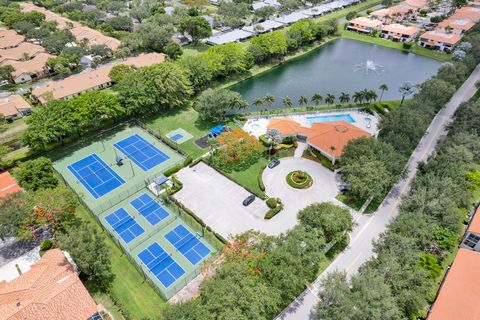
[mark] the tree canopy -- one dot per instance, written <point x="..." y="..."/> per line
<point x="214" y="104"/>
<point x="36" y="174"/>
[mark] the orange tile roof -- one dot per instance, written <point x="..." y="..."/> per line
<point x="286" y="126"/>
<point x="49" y="290"/>
<point x="398" y="28"/>
<point x="80" y="32"/>
<point x="7" y="185"/>
<point x="435" y="35"/>
<point x="458" y="295"/>
<point x="7" y="32"/>
<point x="416" y="3"/>
<point x="471" y="13"/>
<point x="10" y="40"/>
<point x="335" y="134"/>
<point x="381" y="12"/>
<point x="32" y="66"/>
<point x="458" y="24"/>
<point x="366" y="22"/>
<point x="474" y="225"/>
<point x="12" y="105"/>
<point x="88" y="80"/>
<point x="17" y="53"/>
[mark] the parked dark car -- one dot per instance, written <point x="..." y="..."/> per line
<point x="248" y="200"/>
<point x="274" y="163"/>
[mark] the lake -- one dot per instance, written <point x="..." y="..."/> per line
<point x="339" y="66"/>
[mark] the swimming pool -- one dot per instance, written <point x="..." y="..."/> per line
<point x="337" y="117"/>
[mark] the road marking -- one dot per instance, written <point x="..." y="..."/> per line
<point x="359" y="255"/>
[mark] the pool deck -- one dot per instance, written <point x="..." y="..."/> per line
<point x="257" y="126"/>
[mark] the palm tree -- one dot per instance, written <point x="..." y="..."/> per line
<point x="302" y="100"/>
<point x="406" y="89"/>
<point x="269" y="99"/>
<point x="358" y="97"/>
<point x="273" y="137"/>
<point x="382" y="88"/>
<point x="329" y="99"/>
<point x="317" y="98"/>
<point x="287" y="102"/>
<point x="258" y="102"/>
<point x="344" y="97"/>
<point x="373" y="95"/>
<point x="366" y="95"/>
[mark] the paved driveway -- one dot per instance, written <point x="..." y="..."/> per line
<point x="218" y="201"/>
<point x="323" y="189"/>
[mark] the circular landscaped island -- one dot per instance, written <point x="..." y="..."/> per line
<point x="299" y="179"/>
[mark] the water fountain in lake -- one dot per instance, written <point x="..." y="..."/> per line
<point x="368" y="66"/>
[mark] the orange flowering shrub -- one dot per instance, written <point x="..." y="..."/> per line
<point x="236" y="150"/>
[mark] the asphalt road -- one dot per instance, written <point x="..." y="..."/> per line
<point x="370" y="227"/>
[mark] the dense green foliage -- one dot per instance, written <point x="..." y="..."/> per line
<point x="214" y="104"/>
<point x="59" y="119"/>
<point x="36" y="174"/>
<point x="260" y="275"/>
<point x="408" y="264"/>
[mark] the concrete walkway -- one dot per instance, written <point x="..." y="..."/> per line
<point x="369" y="227"/>
<point x="301" y="147"/>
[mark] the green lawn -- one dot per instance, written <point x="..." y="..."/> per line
<point x="357" y="204"/>
<point x="187" y="119"/>
<point x="433" y="54"/>
<point x="135" y="296"/>
<point x="249" y="177"/>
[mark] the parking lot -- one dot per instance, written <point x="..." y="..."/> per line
<point x="218" y="201"/>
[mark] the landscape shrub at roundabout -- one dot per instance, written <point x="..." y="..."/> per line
<point x="299" y="179"/>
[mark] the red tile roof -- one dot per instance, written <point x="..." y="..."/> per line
<point x="334" y="134"/>
<point x="7" y="184"/>
<point x="49" y="290"/>
<point x="458" y="296"/>
<point x="474" y="225"/>
<point x="13" y="105"/>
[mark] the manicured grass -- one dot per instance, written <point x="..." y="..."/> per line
<point x="357" y="204"/>
<point x="135" y="296"/>
<point x="187" y="119"/>
<point x="433" y="54"/>
<point x="249" y="177"/>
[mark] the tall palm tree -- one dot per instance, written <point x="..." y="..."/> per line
<point x="329" y="98"/>
<point x="366" y="95"/>
<point x="317" y="98"/>
<point x="382" y="88"/>
<point x="287" y="102"/>
<point x="358" y="97"/>
<point x="373" y="95"/>
<point x="258" y="102"/>
<point x="406" y="89"/>
<point x="344" y="97"/>
<point x="269" y="99"/>
<point x="302" y="100"/>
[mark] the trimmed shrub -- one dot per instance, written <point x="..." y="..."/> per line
<point x="273" y="212"/>
<point x="172" y="170"/>
<point x="283" y="146"/>
<point x="289" y="140"/>
<point x="187" y="161"/>
<point x="46" y="245"/>
<point x="299" y="179"/>
<point x="407" y="45"/>
<point x="263" y="141"/>
<point x="272" y="203"/>
<point x="379" y="108"/>
<point x="261" y="185"/>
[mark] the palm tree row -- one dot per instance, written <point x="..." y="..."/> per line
<point x="359" y="97"/>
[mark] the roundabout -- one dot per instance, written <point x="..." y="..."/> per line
<point x="299" y="179"/>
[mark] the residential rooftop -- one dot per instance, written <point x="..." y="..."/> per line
<point x="49" y="290"/>
<point x="13" y="105"/>
<point x="7" y="185"/>
<point x="401" y="29"/>
<point x="436" y="35"/>
<point x="91" y="79"/>
<point x="458" y="295"/>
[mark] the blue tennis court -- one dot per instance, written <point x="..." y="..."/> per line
<point x="143" y="153"/>
<point x="162" y="265"/>
<point x="123" y="224"/>
<point x="98" y="178"/>
<point x="185" y="242"/>
<point x="149" y="209"/>
<point x="176" y="137"/>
